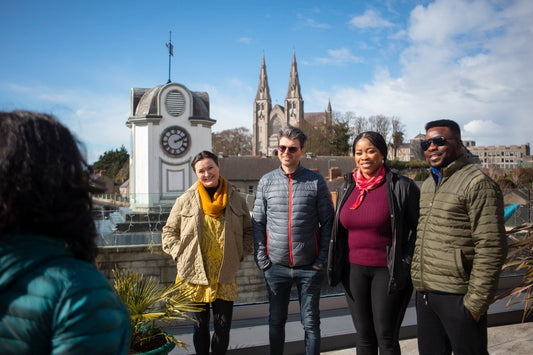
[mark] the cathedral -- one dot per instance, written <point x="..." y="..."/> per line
<point x="269" y="120"/>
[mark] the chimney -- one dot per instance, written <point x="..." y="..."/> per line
<point x="334" y="172"/>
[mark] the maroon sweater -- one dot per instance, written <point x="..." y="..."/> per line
<point x="369" y="227"/>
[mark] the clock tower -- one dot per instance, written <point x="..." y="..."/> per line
<point x="169" y="126"/>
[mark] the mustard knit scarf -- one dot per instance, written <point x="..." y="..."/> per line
<point x="214" y="207"/>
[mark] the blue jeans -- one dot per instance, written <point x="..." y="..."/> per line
<point x="279" y="280"/>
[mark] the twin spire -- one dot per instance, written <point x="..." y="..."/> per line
<point x="294" y="90"/>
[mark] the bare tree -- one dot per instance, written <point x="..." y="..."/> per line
<point x="380" y="124"/>
<point x="360" y="124"/>
<point x="520" y="177"/>
<point x="235" y="141"/>
<point x="498" y="175"/>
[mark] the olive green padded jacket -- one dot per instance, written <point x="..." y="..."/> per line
<point x="461" y="242"/>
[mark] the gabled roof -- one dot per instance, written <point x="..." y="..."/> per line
<point x="316" y="118"/>
<point x="253" y="168"/>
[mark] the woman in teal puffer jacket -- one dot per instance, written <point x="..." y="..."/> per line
<point x="52" y="298"/>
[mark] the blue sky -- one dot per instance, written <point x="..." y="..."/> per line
<point x="468" y="60"/>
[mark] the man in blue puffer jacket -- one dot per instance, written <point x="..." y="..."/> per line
<point x="292" y="220"/>
<point x="53" y="300"/>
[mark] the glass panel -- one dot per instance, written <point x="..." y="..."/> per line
<point x="133" y="240"/>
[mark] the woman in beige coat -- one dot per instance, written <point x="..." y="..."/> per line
<point x="208" y="233"/>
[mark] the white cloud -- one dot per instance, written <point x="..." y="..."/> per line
<point x="480" y="128"/>
<point x="370" y="19"/>
<point x="442" y="21"/>
<point x="245" y="40"/>
<point x="465" y="61"/>
<point x="338" y="57"/>
<point x="311" y="22"/>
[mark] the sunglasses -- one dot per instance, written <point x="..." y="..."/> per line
<point x="438" y="141"/>
<point x="283" y="148"/>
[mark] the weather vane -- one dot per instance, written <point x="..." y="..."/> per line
<point x="170" y="54"/>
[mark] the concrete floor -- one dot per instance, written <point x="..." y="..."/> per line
<point x="506" y="335"/>
<point x="515" y="339"/>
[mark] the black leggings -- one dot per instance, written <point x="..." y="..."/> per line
<point x="222" y="314"/>
<point x="377" y="316"/>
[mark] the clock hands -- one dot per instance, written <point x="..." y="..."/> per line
<point x="175" y="141"/>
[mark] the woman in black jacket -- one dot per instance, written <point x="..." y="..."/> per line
<point x="372" y="243"/>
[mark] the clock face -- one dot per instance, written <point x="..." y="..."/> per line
<point x="175" y="141"/>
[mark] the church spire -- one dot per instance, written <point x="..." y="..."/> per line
<point x="294" y="104"/>
<point x="294" y="83"/>
<point x="263" y="91"/>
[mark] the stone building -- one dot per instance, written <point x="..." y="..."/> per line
<point x="268" y="120"/>
<point x="245" y="172"/>
<point x="502" y="156"/>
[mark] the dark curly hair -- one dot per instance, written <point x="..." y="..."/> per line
<point x="44" y="182"/>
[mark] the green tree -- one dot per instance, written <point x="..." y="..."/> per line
<point x="317" y="138"/>
<point x="115" y="163"/>
<point x="329" y="139"/>
<point x="341" y="136"/>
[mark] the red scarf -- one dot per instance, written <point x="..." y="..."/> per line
<point x="365" y="185"/>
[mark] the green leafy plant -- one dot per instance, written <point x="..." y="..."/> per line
<point x="520" y="259"/>
<point x="151" y="305"/>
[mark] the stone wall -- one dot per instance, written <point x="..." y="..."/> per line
<point x="152" y="261"/>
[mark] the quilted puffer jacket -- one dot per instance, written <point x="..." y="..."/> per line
<point x="53" y="303"/>
<point x="184" y="229"/>
<point x="461" y="242"/>
<point x="292" y="219"/>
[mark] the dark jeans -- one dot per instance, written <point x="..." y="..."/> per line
<point x="445" y="325"/>
<point x="222" y="314"/>
<point x="279" y="280"/>
<point x="377" y="315"/>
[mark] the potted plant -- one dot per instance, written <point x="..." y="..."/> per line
<point x="520" y="258"/>
<point x="151" y="306"/>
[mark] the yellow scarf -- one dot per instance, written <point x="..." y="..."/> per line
<point x="214" y="207"/>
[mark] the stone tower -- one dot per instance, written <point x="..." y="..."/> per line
<point x="262" y="109"/>
<point x="269" y="120"/>
<point x="169" y="125"/>
<point x="294" y="105"/>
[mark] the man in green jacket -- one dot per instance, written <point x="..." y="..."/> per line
<point x="460" y="247"/>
